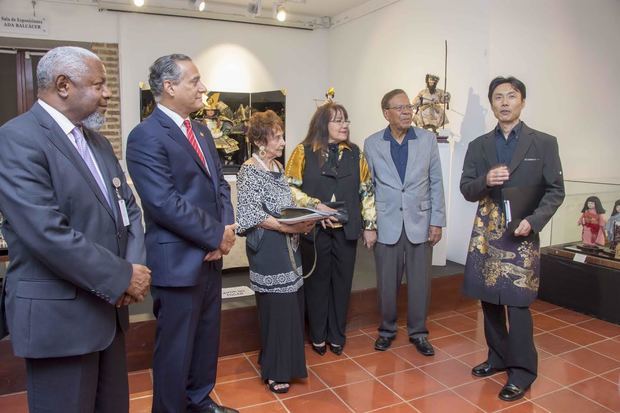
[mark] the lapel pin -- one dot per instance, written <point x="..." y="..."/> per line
<point x="202" y="135"/>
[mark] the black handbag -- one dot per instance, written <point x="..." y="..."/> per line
<point x="342" y="215"/>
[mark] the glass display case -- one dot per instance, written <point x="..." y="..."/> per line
<point x="564" y="227"/>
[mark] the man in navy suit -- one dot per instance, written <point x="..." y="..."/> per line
<point x="75" y="240"/>
<point x="189" y="227"/>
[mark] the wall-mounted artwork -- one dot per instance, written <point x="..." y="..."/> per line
<point x="226" y="114"/>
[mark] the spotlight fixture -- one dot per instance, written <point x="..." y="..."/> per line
<point x="138" y="3"/>
<point x="280" y="13"/>
<point x="200" y="5"/>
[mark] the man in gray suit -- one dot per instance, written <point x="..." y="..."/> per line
<point x="75" y="241"/>
<point x="406" y="172"/>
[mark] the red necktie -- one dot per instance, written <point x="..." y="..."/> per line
<point x="194" y="142"/>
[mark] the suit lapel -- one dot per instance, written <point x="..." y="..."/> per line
<point x="386" y="154"/>
<point x="201" y="137"/>
<point x="104" y="168"/>
<point x="175" y="133"/>
<point x="61" y="141"/>
<point x="523" y="144"/>
<point x="490" y="152"/>
<point x="414" y="150"/>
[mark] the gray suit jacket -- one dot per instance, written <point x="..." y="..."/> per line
<point x="419" y="201"/>
<point x="70" y="253"/>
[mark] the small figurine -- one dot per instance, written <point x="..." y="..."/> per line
<point x="329" y="96"/>
<point x="218" y="118"/>
<point x="593" y="222"/>
<point x="428" y="106"/>
<point x="613" y="226"/>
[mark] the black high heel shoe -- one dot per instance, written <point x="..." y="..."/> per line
<point x="320" y="350"/>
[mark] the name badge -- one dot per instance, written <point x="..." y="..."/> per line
<point x="124" y="215"/>
<point x="121" y="202"/>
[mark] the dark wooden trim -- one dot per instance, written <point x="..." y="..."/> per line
<point x="30" y="93"/>
<point x="239" y="329"/>
<point x="21" y="82"/>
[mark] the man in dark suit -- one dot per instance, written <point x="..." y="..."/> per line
<point x="502" y="266"/>
<point x="75" y="240"/>
<point x="189" y="226"/>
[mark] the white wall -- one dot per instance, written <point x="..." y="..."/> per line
<point x="567" y="53"/>
<point x="564" y="50"/>
<point x="231" y="57"/>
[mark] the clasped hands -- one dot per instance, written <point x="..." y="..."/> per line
<point x="228" y="240"/>
<point x="138" y="286"/>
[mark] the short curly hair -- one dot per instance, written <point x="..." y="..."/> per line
<point x="262" y="126"/>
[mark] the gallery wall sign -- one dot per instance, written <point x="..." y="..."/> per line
<point x="21" y="24"/>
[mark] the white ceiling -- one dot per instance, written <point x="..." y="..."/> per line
<point x="315" y="8"/>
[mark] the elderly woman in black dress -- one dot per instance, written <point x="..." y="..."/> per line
<point x="273" y="253"/>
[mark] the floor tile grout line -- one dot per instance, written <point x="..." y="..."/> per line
<point x="375" y="378"/>
<point x="524" y="401"/>
<point x="329" y="388"/>
<point x="574" y="342"/>
<point x="593" y="401"/>
<point x="463" y="398"/>
<point x="590" y="371"/>
<point x="559" y="355"/>
<point x="609" y="380"/>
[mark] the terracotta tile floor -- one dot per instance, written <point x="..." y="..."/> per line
<point x="579" y="371"/>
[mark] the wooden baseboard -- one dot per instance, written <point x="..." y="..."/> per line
<point x="239" y="329"/>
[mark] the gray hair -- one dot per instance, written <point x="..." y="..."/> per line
<point x="165" y="68"/>
<point x="66" y="60"/>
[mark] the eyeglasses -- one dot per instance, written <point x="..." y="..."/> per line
<point x="341" y="122"/>
<point x="401" y="108"/>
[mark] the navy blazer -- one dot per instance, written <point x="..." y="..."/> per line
<point x="185" y="208"/>
<point x="70" y="253"/>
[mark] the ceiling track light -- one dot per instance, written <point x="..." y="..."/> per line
<point x="199" y="5"/>
<point x="280" y="11"/>
<point x="138" y="3"/>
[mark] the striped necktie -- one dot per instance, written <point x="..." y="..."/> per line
<point x="194" y="142"/>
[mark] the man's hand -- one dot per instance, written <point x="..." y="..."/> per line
<point x="434" y="235"/>
<point x="498" y="175"/>
<point x="213" y="255"/>
<point x="139" y="283"/>
<point x="125" y="299"/>
<point x="524" y="229"/>
<point x="228" y="239"/>
<point x="369" y="238"/>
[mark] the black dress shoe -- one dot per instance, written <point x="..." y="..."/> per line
<point x="320" y="350"/>
<point x="215" y="408"/>
<point x="383" y="343"/>
<point x="484" y="369"/>
<point x="336" y="349"/>
<point x="423" y="346"/>
<point x="511" y="392"/>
